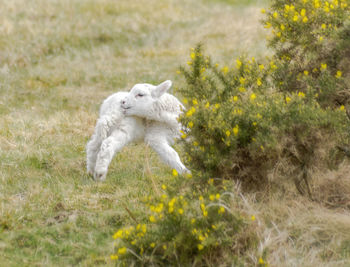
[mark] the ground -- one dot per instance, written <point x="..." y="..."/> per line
<point x="58" y="60"/>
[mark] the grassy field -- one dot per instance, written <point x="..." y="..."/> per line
<point x="58" y="60"/>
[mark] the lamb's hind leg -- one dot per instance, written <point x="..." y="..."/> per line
<point x="92" y="149"/>
<point x="166" y="153"/>
<point x="111" y="145"/>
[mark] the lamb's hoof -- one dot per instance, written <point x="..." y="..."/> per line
<point x="186" y="172"/>
<point x="90" y="172"/>
<point x="100" y="176"/>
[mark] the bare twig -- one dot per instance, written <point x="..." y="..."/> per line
<point x="345" y="150"/>
<point x="130" y="213"/>
<point x="348" y="113"/>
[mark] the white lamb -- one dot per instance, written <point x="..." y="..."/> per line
<point x="146" y="113"/>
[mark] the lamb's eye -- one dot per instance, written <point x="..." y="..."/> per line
<point x="140" y="95"/>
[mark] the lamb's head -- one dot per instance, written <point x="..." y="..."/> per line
<point x="141" y="98"/>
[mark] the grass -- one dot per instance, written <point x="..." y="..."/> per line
<point x="59" y="60"/>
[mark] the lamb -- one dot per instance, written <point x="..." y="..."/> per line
<point x="146" y="113"/>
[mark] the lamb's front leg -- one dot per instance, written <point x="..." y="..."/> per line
<point x="109" y="147"/>
<point x="166" y="153"/>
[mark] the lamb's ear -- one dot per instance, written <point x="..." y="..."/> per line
<point x="161" y="89"/>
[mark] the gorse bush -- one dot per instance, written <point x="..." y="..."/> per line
<point x="200" y="225"/>
<point x="241" y="126"/>
<point x="311" y="40"/>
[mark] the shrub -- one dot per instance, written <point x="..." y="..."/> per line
<point x="311" y="40"/>
<point x="241" y="127"/>
<point x="201" y="225"/>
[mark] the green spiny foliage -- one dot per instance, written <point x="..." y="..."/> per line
<point x="241" y="126"/>
<point x="190" y="222"/>
<point x="311" y="40"/>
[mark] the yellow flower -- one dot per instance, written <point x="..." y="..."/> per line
<point x="195" y="102"/>
<point x="164" y="247"/>
<point x="228" y="133"/>
<point x="224" y="69"/>
<point x="282" y="27"/>
<point x="200" y="246"/>
<point x="242" y="89"/>
<point x="213" y="226"/>
<point x="195" y="143"/>
<point x="193" y="221"/>
<point x="235" y="130"/>
<point x="303" y="12"/>
<point x="207" y="105"/>
<point x="205" y="213"/>
<point x="221" y="210"/>
<point x="152" y="219"/>
<point x="239" y="63"/>
<point x="320" y="38"/>
<point x="217" y="105"/>
<point x="212" y="197"/>
<point x="175" y="173"/>
<point x="305" y="19"/>
<point x="263" y="11"/>
<point x="261" y="261"/>
<point x="301" y="94"/>
<point x="118" y="234"/>
<point x="235" y="98"/>
<point x="306" y="73"/>
<point x="267" y="25"/>
<point x="339" y="74"/>
<point x="190" y="124"/>
<point x="261" y="67"/>
<point x="114" y="257"/>
<point x="258" y="82"/>
<point x="242" y="80"/>
<point x="288" y="99"/>
<point x="180" y="211"/>
<point x="185" y="101"/>
<point x="252" y="96"/>
<point x="184" y="136"/>
<point x="295" y="18"/>
<point x="122" y="251"/>
<point x="201" y="198"/>
<point x="189" y="175"/>
<point x="252" y="218"/>
<point x="217" y="196"/>
<point x="189" y="113"/>
<point x="342" y="107"/>
<point x="163" y="186"/>
<point x="323" y="26"/>
<point x="152" y="245"/>
<point x="275" y="15"/>
<point x="323" y="66"/>
<point x="189" y="63"/>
